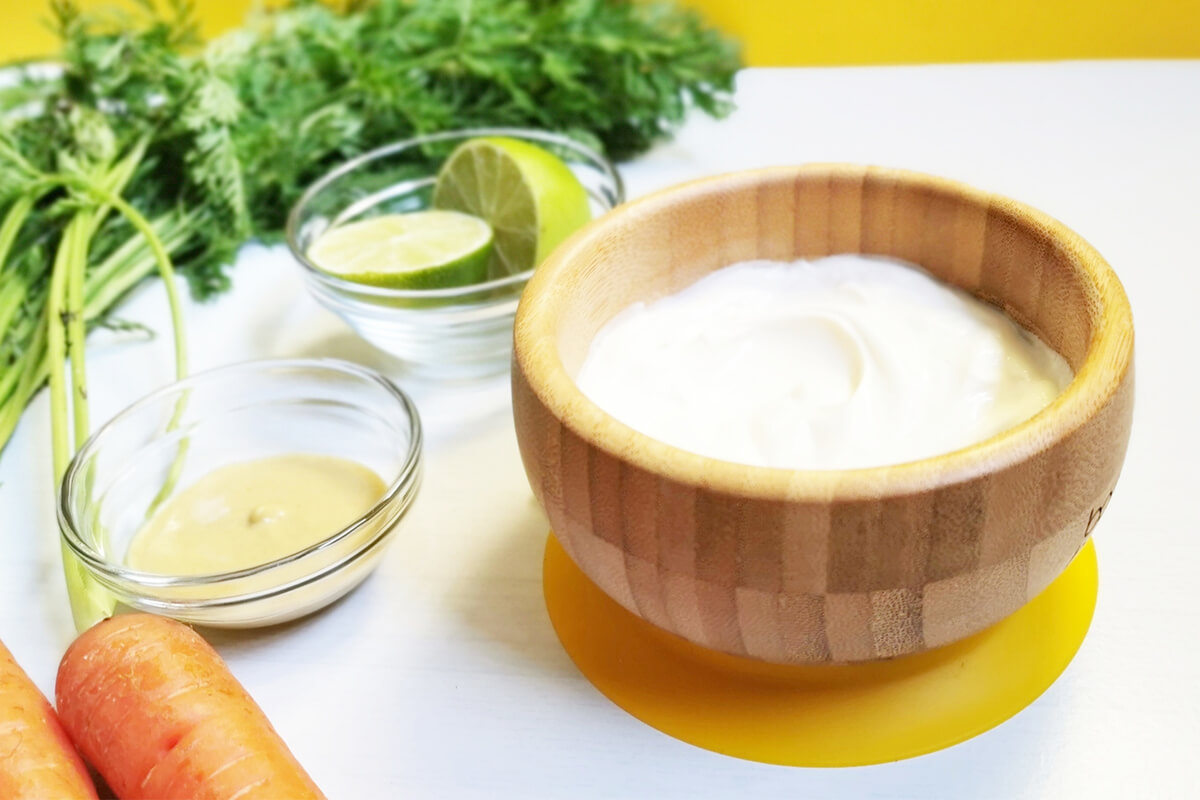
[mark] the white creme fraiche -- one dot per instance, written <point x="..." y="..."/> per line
<point x="843" y="362"/>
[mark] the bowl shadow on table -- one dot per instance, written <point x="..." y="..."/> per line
<point x="332" y="623"/>
<point x="450" y="409"/>
<point x="500" y="599"/>
<point x="226" y="640"/>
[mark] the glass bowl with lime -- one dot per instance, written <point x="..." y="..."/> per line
<point x="423" y="246"/>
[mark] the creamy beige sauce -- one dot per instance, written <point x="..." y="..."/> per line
<point x="246" y="514"/>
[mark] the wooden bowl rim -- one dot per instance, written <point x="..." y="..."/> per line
<point x="536" y="355"/>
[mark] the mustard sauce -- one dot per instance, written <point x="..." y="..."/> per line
<point x="250" y="513"/>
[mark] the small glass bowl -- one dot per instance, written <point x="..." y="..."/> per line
<point x="170" y="438"/>
<point x="443" y="333"/>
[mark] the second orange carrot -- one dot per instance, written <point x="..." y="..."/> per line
<point x="155" y="710"/>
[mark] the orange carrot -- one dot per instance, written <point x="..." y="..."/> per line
<point x="36" y="757"/>
<point x="155" y="710"/>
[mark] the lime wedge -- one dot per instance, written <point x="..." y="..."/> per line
<point x="529" y="196"/>
<point x="422" y="250"/>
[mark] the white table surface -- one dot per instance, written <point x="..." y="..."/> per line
<point x="441" y="677"/>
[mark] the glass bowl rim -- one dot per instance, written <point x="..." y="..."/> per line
<point x="402" y="487"/>
<point x="292" y="229"/>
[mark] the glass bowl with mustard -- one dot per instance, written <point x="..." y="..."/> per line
<point x="247" y="495"/>
<point x="423" y="246"/>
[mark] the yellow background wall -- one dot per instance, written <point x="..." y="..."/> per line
<point x="849" y="31"/>
<point x="906" y="31"/>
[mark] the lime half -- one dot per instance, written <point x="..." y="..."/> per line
<point x="423" y="250"/>
<point x="528" y="195"/>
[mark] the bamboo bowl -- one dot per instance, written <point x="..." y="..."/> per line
<point x="794" y="566"/>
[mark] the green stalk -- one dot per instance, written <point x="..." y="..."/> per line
<point x="132" y="251"/>
<point x="76" y="328"/>
<point x="89" y="602"/>
<point x="13" y="220"/>
<point x="76" y="238"/>
<point x="17" y="343"/>
<point x="57" y="353"/>
<point x="14" y="291"/>
<point x="11" y="297"/>
<point x="114" y="181"/>
<point x="162" y="260"/>
<point x="132" y="261"/>
<point x="74" y="320"/>
<point x="7" y="381"/>
<point x="33" y="373"/>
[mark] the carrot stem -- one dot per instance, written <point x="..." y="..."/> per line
<point x="89" y="602"/>
<point x="162" y="260"/>
<point x="76" y="331"/>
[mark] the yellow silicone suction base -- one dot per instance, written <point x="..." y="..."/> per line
<point x="822" y="715"/>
